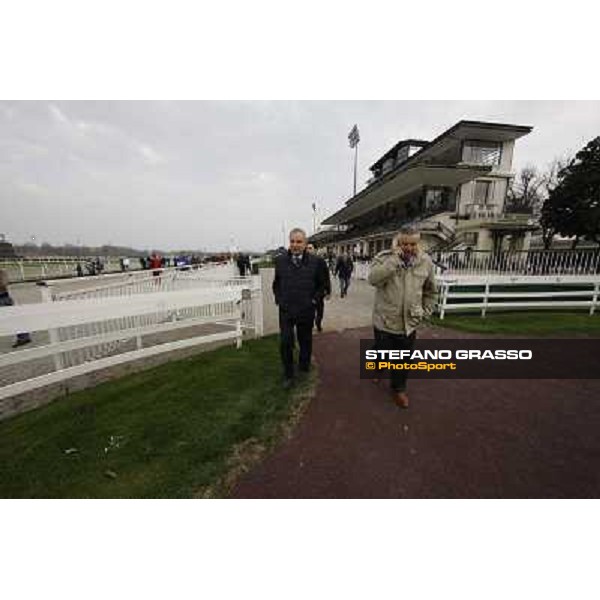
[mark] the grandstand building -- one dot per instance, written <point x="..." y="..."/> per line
<point x="453" y="188"/>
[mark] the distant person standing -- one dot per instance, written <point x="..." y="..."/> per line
<point x="241" y="264"/>
<point x="320" y="305"/>
<point x="343" y="270"/>
<point x="6" y="300"/>
<point x="155" y="265"/>
<point x="298" y="284"/>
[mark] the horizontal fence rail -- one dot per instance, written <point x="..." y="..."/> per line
<point x="39" y="269"/>
<point x="475" y="293"/>
<point x="92" y="328"/>
<point x="530" y="262"/>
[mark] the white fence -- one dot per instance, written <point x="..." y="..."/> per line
<point x="531" y="263"/>
<point x="475" y="293"/>
<point x="34" y="269"/>
<point x="91" y="329"/>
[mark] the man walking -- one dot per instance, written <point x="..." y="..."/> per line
<point x="405" y="294"/>
<point x="320" y="306"/>
<point x="343" y="269"/>
<point x="299" y="282"/>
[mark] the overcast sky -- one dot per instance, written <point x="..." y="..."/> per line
<point x="206" y="175"/>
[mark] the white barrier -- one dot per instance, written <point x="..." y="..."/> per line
<point x="584" y="294"/>
<point x="101" y="324"/>
<point x="89" y="329"/>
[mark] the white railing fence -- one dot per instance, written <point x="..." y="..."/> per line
<point x="475" y="293"/>
<point x="90" y="329"/>
<point x="35" y="269"/>
<point x="531" y="262"/>
<point x="39" y="269"/>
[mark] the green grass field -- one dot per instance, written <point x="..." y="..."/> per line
<point x="539" y="323"/>
<point x="170" y="432"/>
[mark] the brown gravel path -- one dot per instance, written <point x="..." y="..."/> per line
<point x="459" y="439"/>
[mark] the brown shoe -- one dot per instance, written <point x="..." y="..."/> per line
<point x="401" y="399"/>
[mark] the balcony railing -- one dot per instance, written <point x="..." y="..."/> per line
<point x="482" y="211"/>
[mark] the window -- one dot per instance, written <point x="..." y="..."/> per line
<point x="483" y="192"/>
<point x="434" y="199"/>
<point x="481" y="153"/>
<point x="470" y="238"/>
<point x="388" y="165"/>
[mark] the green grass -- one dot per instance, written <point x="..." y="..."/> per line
<point x="174" y="429"/>
<point x="525" y="323"/>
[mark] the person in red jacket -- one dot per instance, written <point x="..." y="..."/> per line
<point x="155" y="264"/>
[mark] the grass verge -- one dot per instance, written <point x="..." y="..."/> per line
<point x="540" y="323"/>
<point x="185" y="429"/>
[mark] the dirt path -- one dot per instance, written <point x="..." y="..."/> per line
<point x="459" y="439"/>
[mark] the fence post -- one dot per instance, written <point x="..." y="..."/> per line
<point x="445" y="286"/>
<point x="594" y="299"/>
<point x="53" y="333"/>
<point x="22" y="270"/>
<point x="238" y="332"/>
<point x="257" y="308"/>
<point x="485" y="298"/>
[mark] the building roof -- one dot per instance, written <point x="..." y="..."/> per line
<point x="403" y="175"/>
<point x="392" y="151"/>
<point x="402" y="182"/>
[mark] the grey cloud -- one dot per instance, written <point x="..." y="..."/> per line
<point x="197" y="174"/>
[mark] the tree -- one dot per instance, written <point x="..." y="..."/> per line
<point x="572" y="208"/>
<point x="550" y="180"/>
<point x="525" y="192"/>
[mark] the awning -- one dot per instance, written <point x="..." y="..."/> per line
<point x="402" y="184"/>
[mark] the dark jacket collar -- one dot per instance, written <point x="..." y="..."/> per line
<point x="303" y="257"/>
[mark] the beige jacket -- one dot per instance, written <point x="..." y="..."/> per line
<point x="404" y="296"/>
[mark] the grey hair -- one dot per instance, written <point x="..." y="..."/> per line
<point x="405" y="230"/>
<point x="298" y="230"/>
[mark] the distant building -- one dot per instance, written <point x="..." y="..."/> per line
<point x="453" y="188"/>
<point x="6" y="248"/>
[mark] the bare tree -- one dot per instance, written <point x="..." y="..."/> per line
<point x="525" y="194"/>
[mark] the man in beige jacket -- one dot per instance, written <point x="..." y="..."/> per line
<point x="406" y="293"/>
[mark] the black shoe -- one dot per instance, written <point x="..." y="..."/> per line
<point x="288" y="383"/>
<point x="319" y="328"/>
<point x="21" y="342"/>
<point x="303" y="371"/>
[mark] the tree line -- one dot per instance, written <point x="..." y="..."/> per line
<point x="565" y="198"/>
<point x="33" y="250"/>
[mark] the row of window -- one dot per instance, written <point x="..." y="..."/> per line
<point x="482" y="153"/>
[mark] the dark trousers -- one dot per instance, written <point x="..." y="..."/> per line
<point x="319" y="310"/>
<point x="344" y="285"/>
<point x="303" y="326"/>
<point x="395" y="341"/>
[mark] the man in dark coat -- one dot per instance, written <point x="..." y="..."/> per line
<point x="299" y="283"/>
<point x="320" y="306"/>
<point x="343" y="269"/>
